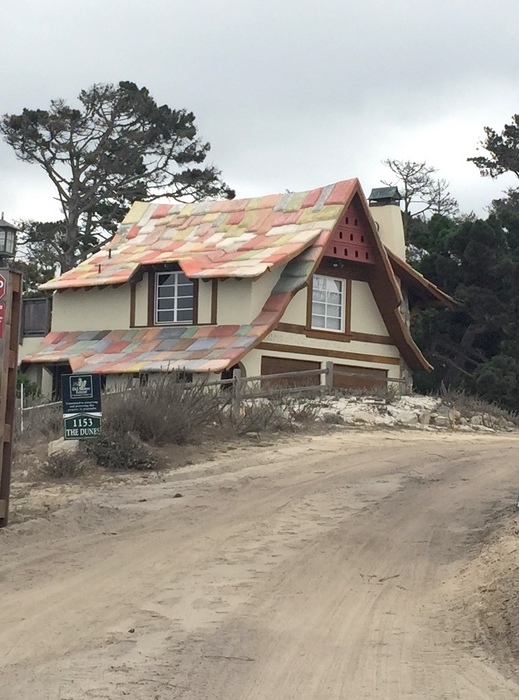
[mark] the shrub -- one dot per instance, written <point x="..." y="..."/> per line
<point x="117" y="450"/>
<point x="260" y="415"/>
<point x="165" y="411"/>
<point x="469" y="405"/>
<point x="63" y="465"/>
<point x="31" y="390"/>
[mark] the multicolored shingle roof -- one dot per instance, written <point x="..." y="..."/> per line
<point x="199" y="349"/>
<point x="238" y="238"/>
<point x="229" y="238"/>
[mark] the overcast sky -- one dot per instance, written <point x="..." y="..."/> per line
<point x="292" y="94"/>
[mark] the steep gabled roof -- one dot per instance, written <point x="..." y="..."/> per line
<point x="228" y="238"/>
<point x="238" y="238"/>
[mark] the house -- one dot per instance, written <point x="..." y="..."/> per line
<point x="271" y="284"/>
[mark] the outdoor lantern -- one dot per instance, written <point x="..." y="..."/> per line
<point x="7" y="239"/>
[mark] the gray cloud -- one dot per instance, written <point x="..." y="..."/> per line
<point x="290" y="94"/>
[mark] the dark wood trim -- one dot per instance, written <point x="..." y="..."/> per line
<point x="339" y="336"/>
<point x="360" y="272"/>
<point x="325" y="334"/>
<point x="133" y="295"/>
<point x="347" y="309"/>
<point x="291" y="328"/>
<point x="151" y="298"/>
<point x="372" y="338"/>
<point x="325" y="352"/>
<point x="196" y="300"/>
<point x="214" y="302"/>
<point x="299" y="329"/>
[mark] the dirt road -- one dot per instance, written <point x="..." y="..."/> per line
<point x="320" y="568"/>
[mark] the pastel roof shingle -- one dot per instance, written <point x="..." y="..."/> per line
<point x="228" y="238"/>
<point x="199" y="349"/>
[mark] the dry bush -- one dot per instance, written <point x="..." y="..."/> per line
<point x="41" y="421"/>
<point x="261" y="415"/>
<point x="388" y="392"/>
<point x="469" y="405"/>
<point x="301" y="410"/>
<point x="64" y="465"/>
<point x="116" y="450"/>
<point x="278" y="413"/>
<point x="166" y="411"/>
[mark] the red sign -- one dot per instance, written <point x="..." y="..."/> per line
<point x="3" y="286"/>
<point x="2" y="318"/>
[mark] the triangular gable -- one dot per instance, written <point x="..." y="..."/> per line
<point x="383" y="282"/>
<point x="351" y="238"/>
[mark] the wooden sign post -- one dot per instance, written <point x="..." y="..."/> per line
<point x="10" y="305"/>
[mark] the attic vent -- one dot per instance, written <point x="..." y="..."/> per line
<point x="351" y="239"/>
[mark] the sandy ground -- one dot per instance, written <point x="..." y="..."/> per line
<point x="350" y="565"/>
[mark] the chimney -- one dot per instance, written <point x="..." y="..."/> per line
<point x="384" y="206"/>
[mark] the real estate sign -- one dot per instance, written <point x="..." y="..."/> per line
<point x="81" y="397"/>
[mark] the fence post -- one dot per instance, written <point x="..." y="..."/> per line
<point x="22" y="405"/>
<point x="236" y="393"/>
<point x="328" y="377"/>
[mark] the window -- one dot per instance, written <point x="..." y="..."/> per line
<point x="174" y="298"/>
<point x="35" y="317"/>
<point x="328" y="303"/>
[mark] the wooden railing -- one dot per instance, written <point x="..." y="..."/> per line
<point x="241" y="388"/>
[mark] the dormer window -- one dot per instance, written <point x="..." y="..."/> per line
<point x="174" y="298"/>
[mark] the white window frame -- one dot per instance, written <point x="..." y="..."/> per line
<point x="328" y="306"/>
<point x="174" y="299"/>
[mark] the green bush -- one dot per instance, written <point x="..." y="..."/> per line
<point x="31" y="390"/>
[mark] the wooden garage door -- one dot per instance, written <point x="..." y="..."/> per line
<point x="278" y="365"/>
<point x="358" y="377"/>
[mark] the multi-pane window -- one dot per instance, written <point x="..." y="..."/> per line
<point x="328" y="303"/>
<point x="174" y="298"/>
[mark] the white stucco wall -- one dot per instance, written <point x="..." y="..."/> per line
<point x="234" y="301"/>
<point x="296" y="310"/>
<point x="391" y="229"/>
<point x="204" y="301"/>
<point x="365" y="316"/>
<point x="107" y="308"/>
<point x="354" y="346"/>
<point x="28" y="346"/>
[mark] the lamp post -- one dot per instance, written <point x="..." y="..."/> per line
<point x="7" y="239"/>
<point x="10" y="306"/>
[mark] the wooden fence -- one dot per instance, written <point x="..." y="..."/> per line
<point x="240" y="389"/>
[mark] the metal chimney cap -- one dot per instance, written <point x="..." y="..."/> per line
<point x="385" y="195"/>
